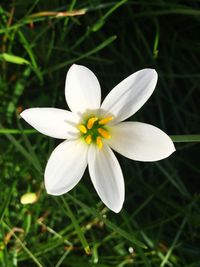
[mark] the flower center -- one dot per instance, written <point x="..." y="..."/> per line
<point x="94" y="130"/>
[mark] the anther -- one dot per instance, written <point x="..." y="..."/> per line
<point x="99" y="142"/>
<point x="91" y="122"/>
<point x="88" y="139"/>
<point x="105" y="120"/>
<point x="104" y="133"/>
<point x="82" y="129"/>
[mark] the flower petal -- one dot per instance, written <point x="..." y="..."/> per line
<point x="130" y="95"/>
<point x="106" y="176"/>
<point x="57" y="123"/>
<point x="141" y="141"/>
<point x="65" y="167"/>
<point x="82" y="89"/>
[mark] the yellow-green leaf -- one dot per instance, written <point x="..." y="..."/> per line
<point x="13" y="59"/>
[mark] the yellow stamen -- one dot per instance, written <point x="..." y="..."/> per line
<point x="104" y="133"/>
<point x="91" y="122"/>
<point x="99" y="142"/>
<point x="82" y="128"/>
<point x="105" y="120"/>
<point x="88" y="139"/>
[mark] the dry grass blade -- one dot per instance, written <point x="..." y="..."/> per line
<point x="72" y="13"/>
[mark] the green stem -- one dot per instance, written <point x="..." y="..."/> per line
<point x="185" y="138"/>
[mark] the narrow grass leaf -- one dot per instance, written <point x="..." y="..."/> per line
<point x="23" y="151"/>
<point x="77" y="227"/>
<point x="6" y="201"/>
<point x="24" y="247"/>
<point x="111" y="225"/>
<point x="185" y="138"/>
<point x="84" y="55"/>
<point x="17" y="131"/>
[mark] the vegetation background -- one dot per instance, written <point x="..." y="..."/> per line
<point x="159" y="224"/>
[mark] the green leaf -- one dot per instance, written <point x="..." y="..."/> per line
<point x="13" y="59"/>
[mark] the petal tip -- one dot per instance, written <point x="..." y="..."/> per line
<point x="51" y="192"/>
<point x="154" y="72"/>
<point x="21" y="115"/>
<point x="117" y="209"/>
<point x="24" y="113"/>
<point x="50" y="189"/>
<point x="75" y="66"/>
<point x="27" y="111"/>
<point x="173" y="148"/>
<point x="170" y="149"/>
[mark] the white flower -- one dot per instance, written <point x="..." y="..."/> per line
<point x="91" y="129"/>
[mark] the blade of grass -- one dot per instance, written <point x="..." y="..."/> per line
<point x="171" y="176"/>
<point x="77" y="227"/>
<point x="111" y="225"/>
<point x="17" y="131"/>
<point x="102" y="20"/>
<point x="169" y="252"/>
<point x="31" y="54"/>
<point x="185" y="138"/>
<point x="87" y="54"/>
<point x="30" y="147"/>
<point x="23" y="245"/>
<point x="65" y="24"/>
<point x="23" y="151"/>
<point x="6" y="202"/>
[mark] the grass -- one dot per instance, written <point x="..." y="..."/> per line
<point x="159" y="224"/>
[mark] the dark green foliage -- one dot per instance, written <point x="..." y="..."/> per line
<point x="159" y="224"/>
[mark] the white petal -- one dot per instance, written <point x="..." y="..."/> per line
<point x="57" y="123"/>
<point x="106" y="176"/>
<point x="65" y="167"/>
<point x="130" y="95"/>
<point x="82" y="89"/>
<point x="141" y="141"/>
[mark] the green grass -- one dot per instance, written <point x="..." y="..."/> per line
<point x="159" y="223"/>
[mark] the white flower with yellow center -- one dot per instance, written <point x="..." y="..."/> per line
<point x="91" y="129"/>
